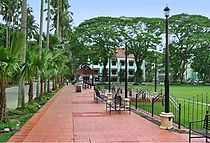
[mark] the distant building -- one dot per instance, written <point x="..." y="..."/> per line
<point x="118" y="67"/>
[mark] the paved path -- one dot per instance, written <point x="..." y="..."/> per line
<point x="75" y="117"/>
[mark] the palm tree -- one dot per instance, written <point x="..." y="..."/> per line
<point x="40" y="45"/>
<point x="9" y="64"/>
<point x="9" y="11"/>
<point x="23" y="53"/>
<point x="48" y="37"/>
<point x="31" y="68"/>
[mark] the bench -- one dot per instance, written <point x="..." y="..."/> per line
<point x="98" y="96"/>
<point x="117" y="104"/>
<point x="203" y="132"/>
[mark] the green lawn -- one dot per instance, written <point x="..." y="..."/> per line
<point x="183" y="91"/>
<point x="188" y="96"/>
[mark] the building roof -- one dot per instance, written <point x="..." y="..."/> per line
<point x="85" y="70"/>
<point x="120" y="53"/>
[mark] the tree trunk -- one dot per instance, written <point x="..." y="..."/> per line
<point x="40" y="45"/>
<point x="21" y="96"/>
<point x="45" y="86"/>
<point x="42" y="87"/>
<point x="104" y="73"/>
<point x="48" y="85"/>
<point x="183" y="70"/>
<point x="53" y="84"/>
<point x="22" y="55"/>
<point x="7" y="32"/>
<point x="58" y="19"/>
<point x="48" y="38"/>
<point x="30" y="91"/>
<point x="138" y="72"/>
<point x="3" y="113"/>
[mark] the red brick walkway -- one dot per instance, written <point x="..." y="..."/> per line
<point x="75" y="117"/>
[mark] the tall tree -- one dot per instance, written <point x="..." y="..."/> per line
<point x="100" y="40"/>
<point x="21" y="100"/>
<point x="9" y="64"/>
<point x="48" y="37"/>
<point x="141" y="35"/>
<point x="40" y="46"/>
<point x="183" y="28"/>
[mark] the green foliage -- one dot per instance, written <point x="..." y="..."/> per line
<point x="188" y="33"/>
<point x="6" y="136"/>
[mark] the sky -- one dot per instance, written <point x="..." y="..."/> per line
<point x="86" y="9"/>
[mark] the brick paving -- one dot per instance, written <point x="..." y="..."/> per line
<point x="75" y="117"/>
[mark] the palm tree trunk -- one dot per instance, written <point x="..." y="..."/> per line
<point x="42" y="86"/>
<point x="7" y="35"/>
<point x="48" y="85"/>
<point x="40" y="45"/>
<point x="30" y="91"/>
<point x="58" y="18"/>
<point x="48" y="38"/>
<point x="22" y="55"/>
<point x="45" y="86"/>
<point x="21" y="97"/>
<point x="53" y="84"/>
<point x="3" y="114"/>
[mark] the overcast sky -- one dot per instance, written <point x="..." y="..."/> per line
<point x="86" y="9"/>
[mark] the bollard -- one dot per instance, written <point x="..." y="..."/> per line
<point x="152" y="106"/>
<point x="179" y="124"/>
<point x="136" y="100"/>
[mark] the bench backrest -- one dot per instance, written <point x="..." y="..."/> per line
<point x="207" y="122"/>
<point x="97" y="92"/>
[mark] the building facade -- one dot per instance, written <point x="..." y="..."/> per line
<point x="118" y="67"/>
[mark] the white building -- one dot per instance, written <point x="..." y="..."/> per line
<point x="118" y="65"/>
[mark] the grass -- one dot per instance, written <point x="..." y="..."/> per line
<point x="187" y="96"/>
<point x="182" y="91"/>
<point x="21" y="116"/>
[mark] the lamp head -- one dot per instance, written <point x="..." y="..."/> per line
<point x="166" y="10"/>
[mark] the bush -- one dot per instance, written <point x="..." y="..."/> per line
<point x="135" y="83"/>
<point x="10" y="124"/>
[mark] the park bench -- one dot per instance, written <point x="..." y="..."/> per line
<point x="99" y="96"/>
<point x="203" y="132"/>
<point x="117" y="104"/>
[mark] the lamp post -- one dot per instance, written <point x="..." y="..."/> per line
<point x="92" y="75"/>
<point x="126" y="71"/>
<point x="155" y="73"/>
<point x="166" y="118"/>
<point x="109" y="73"/>
<point x="166" y="10"/>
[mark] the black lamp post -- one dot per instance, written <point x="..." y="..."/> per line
<point x="109" y="73"/>
<point x="92" y="75"/>
<point x="166" y="10"/>
<point x="126" y="71"/>
<point x="155" y="73"/>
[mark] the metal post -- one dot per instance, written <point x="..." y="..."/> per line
<point x="92" y="74"/>
<point x="155" y="74"/>
<point x="152" y="107"/>
<point x="166" y="70"/>
<point x="126" y="71"/>
<point x="109" y="74"/>
<point x="136" y="100"/>
<point x="179" y="126"/>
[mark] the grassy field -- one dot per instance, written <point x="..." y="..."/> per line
<point x="182" y="91"/>
<point x="190" y="97"/>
